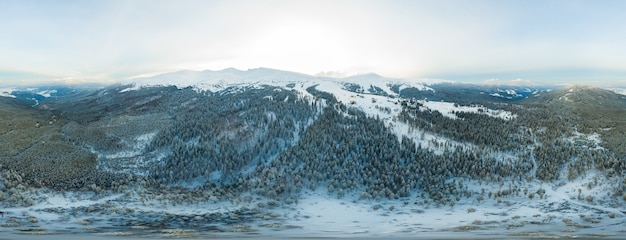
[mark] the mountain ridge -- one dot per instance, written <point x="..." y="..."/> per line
<point x="587" y="96"/>
<point x="596" y="109"/>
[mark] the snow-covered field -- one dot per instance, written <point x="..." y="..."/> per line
<point x="559" y="212"/>
<point x="554" y="215"/>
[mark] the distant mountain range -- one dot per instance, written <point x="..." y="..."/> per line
<point x="231" y="77"/>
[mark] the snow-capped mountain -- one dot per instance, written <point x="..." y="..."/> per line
<point x="219" y="80"/>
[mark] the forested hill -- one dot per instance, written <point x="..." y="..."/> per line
<point x="367" y="137"/>
<point x="595" y="110"/>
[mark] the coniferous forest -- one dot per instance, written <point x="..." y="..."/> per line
<point x="276" y="145"/>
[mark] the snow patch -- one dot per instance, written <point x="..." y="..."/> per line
<point x="7" y="92"/>
<point x="47" y="93"/>
<point x="510" y="92"/>
<point x="131" y="160"/>
<point x="592" y="141"/>
<point x="447" y="109"/>
<point x="134" y="87"/>
<point x="621" y="91"/>
<point x="565" y="97"/>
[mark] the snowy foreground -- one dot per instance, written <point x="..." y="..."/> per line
<point x="559" y="214"/>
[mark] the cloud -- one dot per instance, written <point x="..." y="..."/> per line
<point x="512" y="82"/>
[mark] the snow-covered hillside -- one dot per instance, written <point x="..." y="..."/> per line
<point x="231" y="77"/>
<point x="282" y="154"/>
<point x="621" y="91"/>
<point x="371" y="93"/>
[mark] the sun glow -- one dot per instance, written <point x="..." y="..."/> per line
<point x="473" y="41"/>
<point x="303" y="45"/>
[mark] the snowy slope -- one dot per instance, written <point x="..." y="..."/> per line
<point x="219" y="80"/>
<point x="448" y="109"/>
<point x="560" y="213"/>
<point x="367" y="81"/>
<point x="621" y="91"/>
<point x="370" y="93"/>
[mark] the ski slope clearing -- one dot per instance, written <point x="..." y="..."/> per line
<point x="448" y="109"/>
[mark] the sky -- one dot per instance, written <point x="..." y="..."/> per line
<point x="480" y="41"/>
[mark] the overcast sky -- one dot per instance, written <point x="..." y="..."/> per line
<point x="466" y="40"/>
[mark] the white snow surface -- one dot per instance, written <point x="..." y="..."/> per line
<point x="621" y="91"/>
<point x="219" y="80"/>
<point x="231" y="77"/>
<point x="321" y="214"/>
<point x="47" y="93"/>
<point x="346" y="216"/>
<point x="383" y="83"/>
<point x="448" y="109"/>
<point x="593" y="141"/>
<point x="6" y="92"/>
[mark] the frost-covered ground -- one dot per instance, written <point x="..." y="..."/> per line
<point x="558" y="210"/>
<point x="558" y="213"/>
<point x="513" y="217"/>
